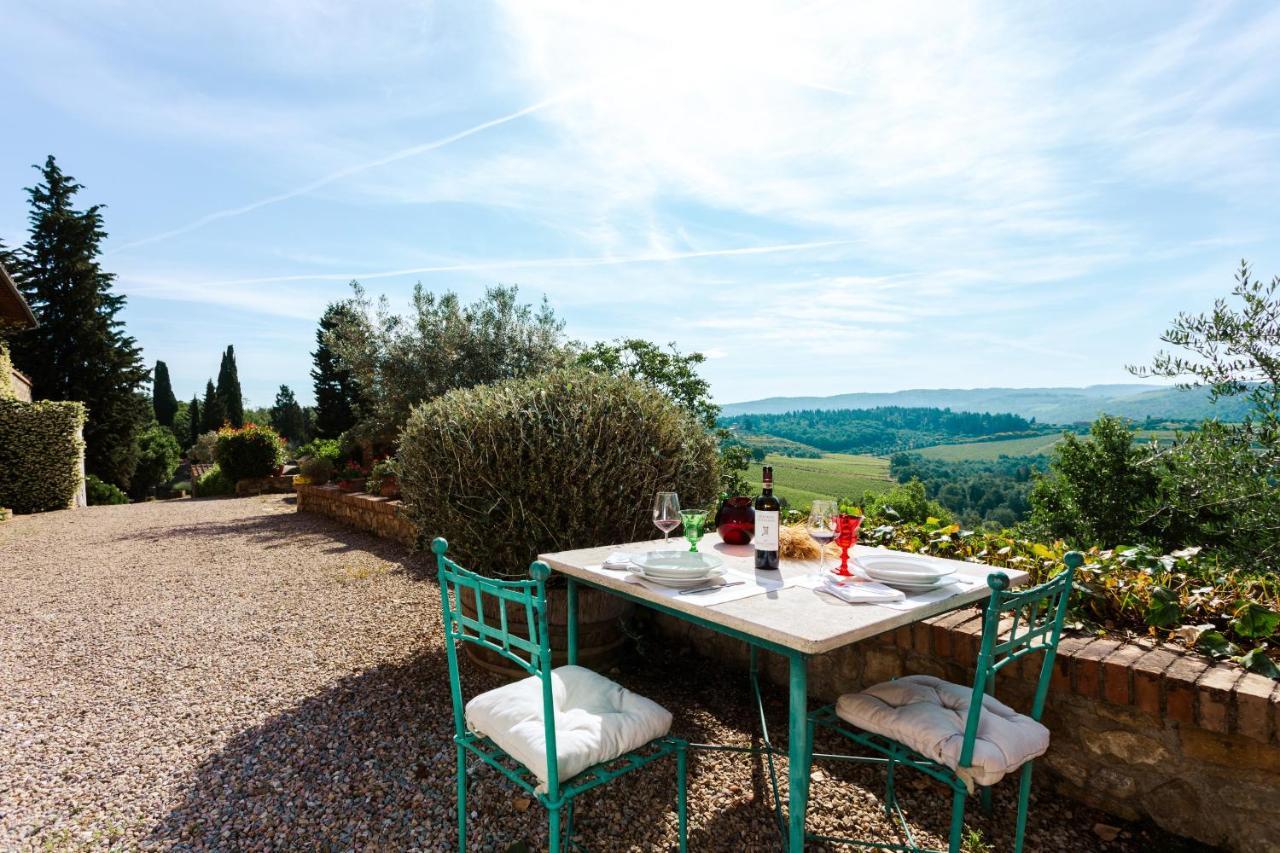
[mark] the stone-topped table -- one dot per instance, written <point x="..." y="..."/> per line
<point x="785" y="616"/>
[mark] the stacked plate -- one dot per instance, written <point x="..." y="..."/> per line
<point x="906" y="572"/>
<point x="678" y="569"/>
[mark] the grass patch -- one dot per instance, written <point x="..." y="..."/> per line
<point x="1035" y="445"/>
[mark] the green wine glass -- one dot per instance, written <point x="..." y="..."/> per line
<point x="693" y="522"/>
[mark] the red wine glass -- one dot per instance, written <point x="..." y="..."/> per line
<point x="846" y="537"/>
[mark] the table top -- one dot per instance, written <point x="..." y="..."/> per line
<point x="794" y="617"/>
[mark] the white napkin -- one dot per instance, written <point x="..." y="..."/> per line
<point x="861" y="592"/>
<point x="618" y="561"/>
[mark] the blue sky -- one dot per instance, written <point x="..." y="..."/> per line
<point x="823" y="197"/>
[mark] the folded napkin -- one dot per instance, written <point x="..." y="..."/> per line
<point x="860" y="591"/>
<point x="618" y="561"/>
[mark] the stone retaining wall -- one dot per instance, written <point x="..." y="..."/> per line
<point x="1139" y="730"/>
<point x="377" y="515"/>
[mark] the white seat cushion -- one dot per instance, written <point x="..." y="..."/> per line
<point x="929" y="715"/>
<point x="597" y="720"/>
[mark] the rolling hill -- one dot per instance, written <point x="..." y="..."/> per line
<point x="1046" y="405"/>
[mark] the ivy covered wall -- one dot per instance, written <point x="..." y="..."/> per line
<point x="41" y="453"/>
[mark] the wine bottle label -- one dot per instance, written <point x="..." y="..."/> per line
<point x="766" y="538"/>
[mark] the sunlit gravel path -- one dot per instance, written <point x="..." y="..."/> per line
<point x="229" y="674"/>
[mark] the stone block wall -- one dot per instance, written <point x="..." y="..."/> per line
<point x="1140" y="730"/>
<point x="377" y="515"/>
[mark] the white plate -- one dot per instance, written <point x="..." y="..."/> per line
<point x="677" y="564"/>
<point x="907" y="586"/>
<point x="682" y="583"/>
<point x="903" y="567"/>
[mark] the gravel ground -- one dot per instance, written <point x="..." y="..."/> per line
<point x="229" y="674"/>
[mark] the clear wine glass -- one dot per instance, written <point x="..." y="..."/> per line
<point x="666" y="514"/>
<point x="822" y="528"/>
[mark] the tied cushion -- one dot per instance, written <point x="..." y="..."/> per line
<point x="929" y="715"/>
<point x="597" y="720"/>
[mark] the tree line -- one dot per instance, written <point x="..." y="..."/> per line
<point x="882" y="430"/>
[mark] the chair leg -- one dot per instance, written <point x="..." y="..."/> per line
<point x="889" y="796"/>
<point x="1024" y="799"/>
<point x="462" y="800"/>
<point x="553" y="833"/>
<point x="682" y="800"/>
<point x="984" y="799"/>
<point x="957" y="821"/>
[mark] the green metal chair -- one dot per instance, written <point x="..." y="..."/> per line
<point x="531" y="653"/>
<point x="1016" y="624"/>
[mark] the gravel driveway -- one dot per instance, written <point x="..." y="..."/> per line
<point x="227" y="673"/>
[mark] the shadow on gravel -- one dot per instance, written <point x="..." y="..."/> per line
<point x="289" y="529"/>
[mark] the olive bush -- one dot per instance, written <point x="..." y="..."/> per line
<point x="567" y="459"/>
<point x="40" y="453"/>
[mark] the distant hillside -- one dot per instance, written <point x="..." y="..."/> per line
<point x="1046" y="405"/>
<point x="884" y="429"/>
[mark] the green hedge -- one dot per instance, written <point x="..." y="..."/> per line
<point x="213" y="484"/>
<point x="568" y="459"/>
<point x="6" y="370"/>
<point x="250" y="451"/>
<point x="101" y="493"/>
<point x="40" y="453"/>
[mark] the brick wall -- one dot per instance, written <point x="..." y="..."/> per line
<point x="378" y="515"/>
<point x="1139" y="730"/>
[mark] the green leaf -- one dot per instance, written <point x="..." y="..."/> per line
<point x="1164" y="611"/>
<point x="1215" y="644"/>
<point x="1256" y="660"/>
<point x="1255" y="621"/>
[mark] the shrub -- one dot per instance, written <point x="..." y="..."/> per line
<point x="205" y="447"/>
<point x="158" y="454"/>
<point x="317" y="469"/>
<point x="329" y="449"/>
<point x="40" y="453"/>
<point x="905" y="502"/>
<point x="1184" y="595"/>
<point x="212" y="484"/>
<point x="252" y="450"/>
<point x="567" y="459"/>
<point x="101" y="493"/>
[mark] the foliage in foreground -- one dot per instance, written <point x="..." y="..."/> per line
<point x="1185" y="595"/>
<point x="567" y="459"/>
<point x="250" y="451"/>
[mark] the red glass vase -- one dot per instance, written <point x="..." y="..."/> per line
<point x="846" y="537"/>
<point x="736" y="520"/>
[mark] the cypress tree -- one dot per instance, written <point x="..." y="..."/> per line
<point x="80" y="350"/>
<point x="286" y="416"/>
<point x="229" y="389"/>
<point x="196" y="425"/>
<point x="336" y="392"/>
<point x="211" y="413"/>
<point x="162" y="399"/>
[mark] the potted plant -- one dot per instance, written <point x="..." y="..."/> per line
<point x="352" y="477"/>
<point x="384" y="478"/>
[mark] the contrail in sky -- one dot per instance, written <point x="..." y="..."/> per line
<point x="402" y="154"/>
<point x="531" y="263"/>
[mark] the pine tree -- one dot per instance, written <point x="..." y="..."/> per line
<point x="162" y="399"/>
<point x="197" y="425"/>
<point x="336" y="392"/>
<point x="229" y="389"/>
<point x="80" y="350"/>
<point x="212" y="415"/>
<point x="286" y="416"/>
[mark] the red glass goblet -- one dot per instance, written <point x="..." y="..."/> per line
<point x="846" y="537"/>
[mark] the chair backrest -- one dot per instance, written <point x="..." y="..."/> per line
<point x="1017" y="624"/>
<point x="488" y="626"/>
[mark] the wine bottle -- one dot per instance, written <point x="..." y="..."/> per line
<point x="766" y="536"/>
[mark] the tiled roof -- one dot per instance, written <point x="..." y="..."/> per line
<point x="13" y="308"/>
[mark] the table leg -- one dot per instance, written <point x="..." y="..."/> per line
<point x="797" y="750"/>
<point x="571" y="619"/>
